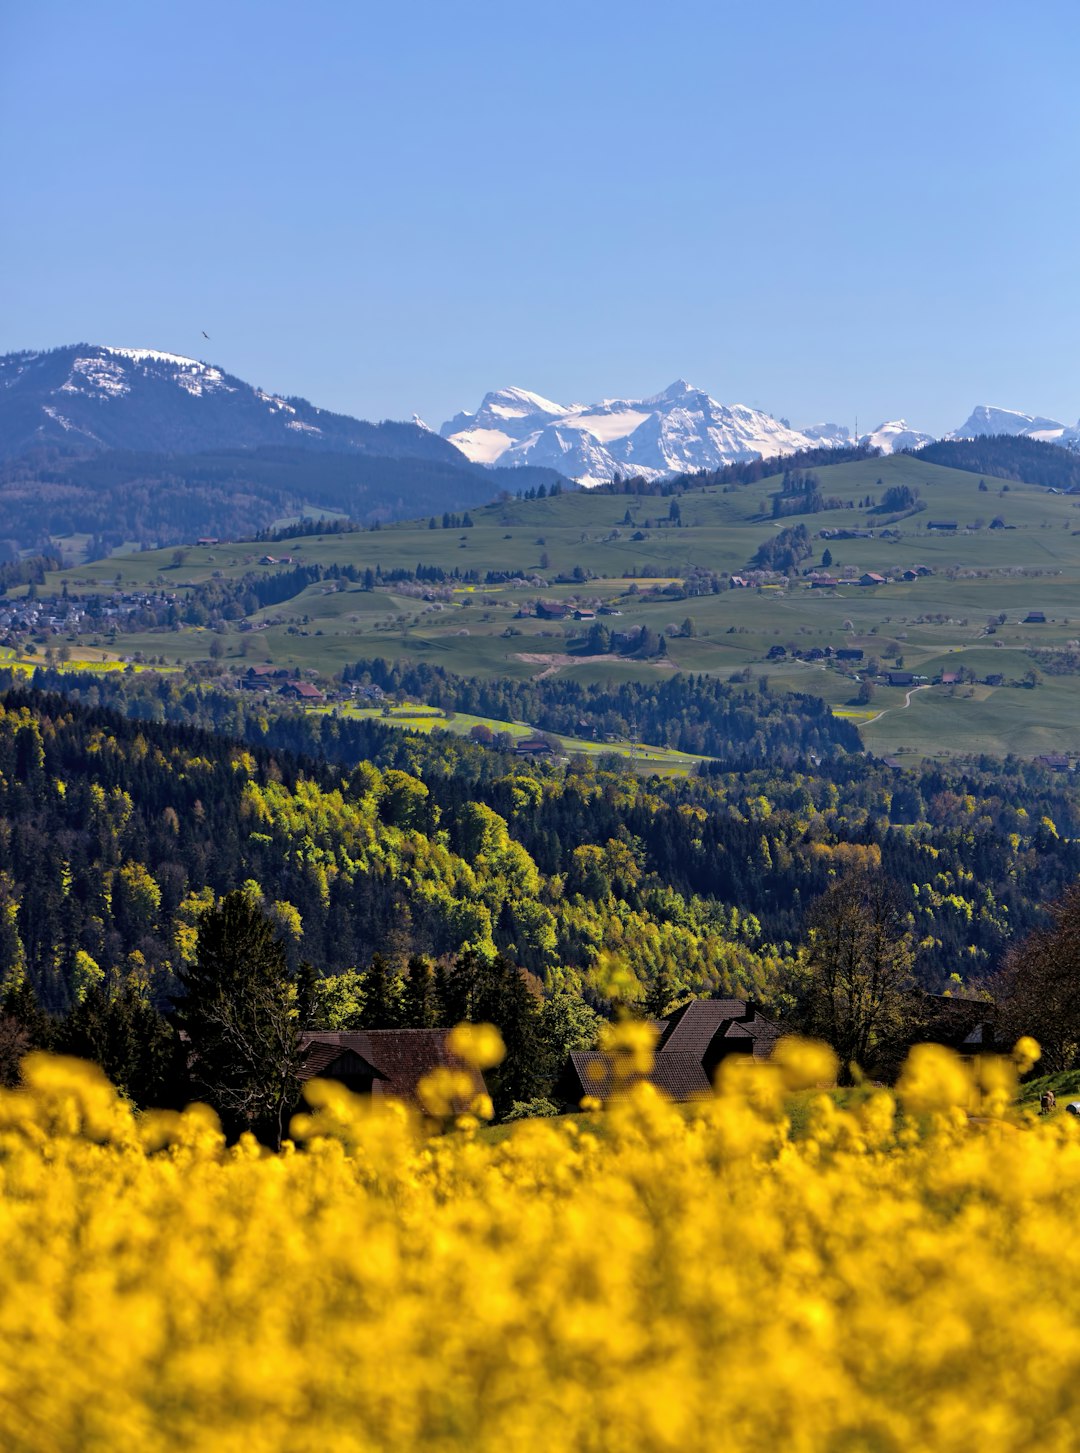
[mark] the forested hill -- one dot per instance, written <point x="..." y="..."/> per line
<point x="120" y="496"/>
<point x="116" y="834"/>
<point x="696" y="714"/>
<point x="1008" y="456"/>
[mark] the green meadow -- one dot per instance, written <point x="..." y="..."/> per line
<point x="945" y="621"/>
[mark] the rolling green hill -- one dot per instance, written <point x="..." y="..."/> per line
<point x="1015" y="550"/>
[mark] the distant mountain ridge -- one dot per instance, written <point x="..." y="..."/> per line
<point x="91" y="397"/>
<point x="137" y="445"/>
<point x="678" y="431"/>
<point x="989" y="420"/>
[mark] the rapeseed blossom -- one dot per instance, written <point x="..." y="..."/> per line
<point x="898" y="1276"/>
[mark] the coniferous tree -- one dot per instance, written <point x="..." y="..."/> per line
<point x="239" y="1011"/>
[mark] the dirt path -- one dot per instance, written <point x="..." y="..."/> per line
<point x="885" y="711"/>
<point x="553" y="661"/>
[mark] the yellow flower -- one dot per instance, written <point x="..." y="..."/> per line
<point x="479" y="1045"/>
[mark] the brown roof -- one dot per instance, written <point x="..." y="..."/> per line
<point x="591" y="1072"/>
<point x="691" y="1029"/>
<point x="398" y="1058"/>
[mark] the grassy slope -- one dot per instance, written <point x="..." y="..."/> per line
<point x="937" y="622"/>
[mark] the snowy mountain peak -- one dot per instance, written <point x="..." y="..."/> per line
<point x="989" y="419"/>
<point x="677" y="431"/>
<point x="894" y="436"/>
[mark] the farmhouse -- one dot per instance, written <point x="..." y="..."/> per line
<point x="824" y="582"/>
<point x="1035" y="618"/>
<point x="692" y="1042"/>
<point x="584" y="615"/>
<point x="849" y="653"/>
<point x="300" y="691"/>
<point x="552" y="610"/>
<point x="384" y="1063"/>
<point x="533" y="747"/>
<point x="872" y="578"/>
<point x="901" y="678"/>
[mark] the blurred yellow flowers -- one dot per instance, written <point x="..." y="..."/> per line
<point x="649" y="1278"/>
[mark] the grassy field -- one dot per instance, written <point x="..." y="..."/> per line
<point x="664" y="761"/>
<point x="944" y="621"/>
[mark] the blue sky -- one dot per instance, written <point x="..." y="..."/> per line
<point x="824" y="209"/>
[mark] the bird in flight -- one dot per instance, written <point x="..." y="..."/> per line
<point x="205" y="334"/>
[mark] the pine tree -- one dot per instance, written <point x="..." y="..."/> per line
<point x="240" y="1014"/>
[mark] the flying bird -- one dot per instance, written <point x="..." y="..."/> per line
<point x="205" y="334"/>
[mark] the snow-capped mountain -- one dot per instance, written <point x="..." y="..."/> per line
<point x="677" y="431"/>
<point x="141" y="399"/>
<point x="987" y="419"/>
<point x="894" y="436"/>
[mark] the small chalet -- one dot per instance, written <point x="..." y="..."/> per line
<point x="824" y="582"/>
<point x="870" y="577"/>
<point x="901" y="678"/>
<point x="1035" y="618"/>
<point x="942" y="525"/>
<point x="692" y="1042"/>
<point x="849" y="653"/>
<point x="384" y="1063"/>
<point x="300" y="691"/>
<point x="1054" y="762"/>
<point x="738" y="582"/>
<point x="207" y="540"/>
<point x="584" y="615"/>
<point x="552" y="610"/>
<point x="910" y="574"/>
<point x="965" y="1025"/>
<point x="950" y="678"/>
<point x="533" y="747"/>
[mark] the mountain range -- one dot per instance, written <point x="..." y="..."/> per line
<point x="683" y="430"/>
<point x="88" y="399"/>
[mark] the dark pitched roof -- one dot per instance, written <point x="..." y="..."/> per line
<point x="691" y="1029"/>
<point x="591" y="1072"/>
<point x="398" y="1058"/>
<point x="761" y="1034"/>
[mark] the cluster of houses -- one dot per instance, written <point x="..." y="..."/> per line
<point x="691" y="1044"/>
<point x="564" y="610"/>
<point x="57" y="615"/>
<point x="868" y="578"/>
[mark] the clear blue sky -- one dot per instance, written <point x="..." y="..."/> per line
<point x="825" y="209"/>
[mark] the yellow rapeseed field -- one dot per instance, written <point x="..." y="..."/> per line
<point x="638" y="1279"/>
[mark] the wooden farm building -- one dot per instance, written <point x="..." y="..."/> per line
<point x="692" y="1042"/>
<point x="384" y="1063"/>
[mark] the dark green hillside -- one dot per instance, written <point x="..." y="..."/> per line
<point x="1007" y="456"/>
<point x="116" y="497"/>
